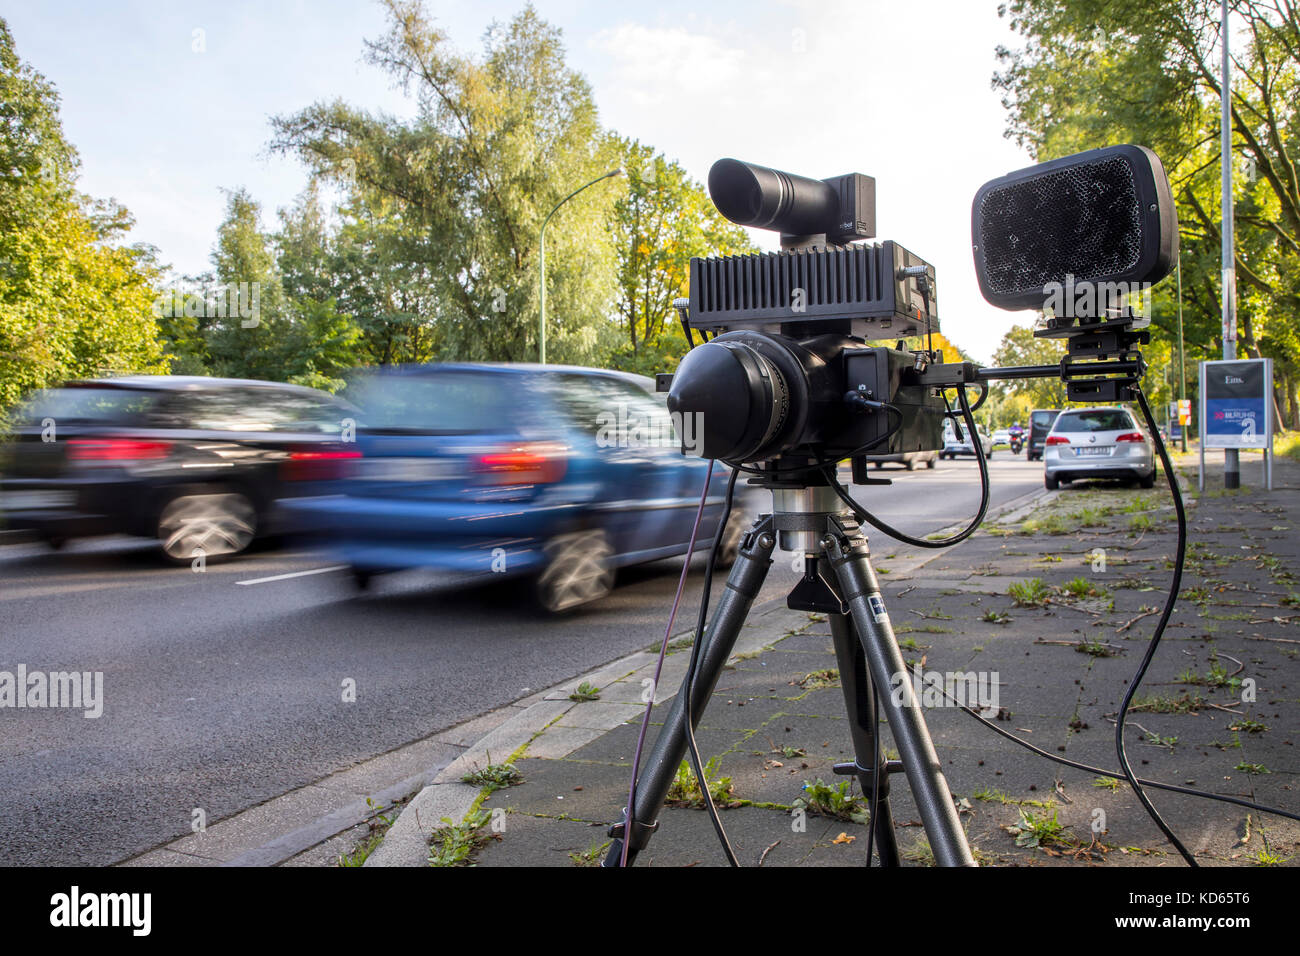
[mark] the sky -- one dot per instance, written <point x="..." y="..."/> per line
<point x="169" y="103"/>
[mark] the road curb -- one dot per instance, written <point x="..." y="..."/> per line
<point x="554" y="726"/>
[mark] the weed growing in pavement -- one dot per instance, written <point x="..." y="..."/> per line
<point x="494" y="777"/>
<point x="1031" y="593"/>
<point x="832" y="800"/>
<point x="452" y="843"/>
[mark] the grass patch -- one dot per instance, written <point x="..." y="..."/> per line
<point x="585" y="691"/>
<point x="832" y="800"/>
<point x="1031" y="593"/>
<point x="685" y="789"/>
<point x="451" y="844"/>
<point x="1184" y="703"/>
<point x="493" y="777"/>
<point x="818" y="680"/>
<point x="1081" y="588"/>
<point x="378" y="825"/>
<point x="590" y="856"/>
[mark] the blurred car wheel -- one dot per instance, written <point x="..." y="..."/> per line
<point x="1149" y="481"/>
<point x="729" y="549"/>
<point x="578" y="571"/>
<point x="207" y="524"/>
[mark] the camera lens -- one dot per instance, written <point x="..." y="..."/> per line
<point x="753" y="195"/>
<point x="738" y="397"/>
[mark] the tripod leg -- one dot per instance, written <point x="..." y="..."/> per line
<point x="847" y="550"/>
<point x="656" y="775"/>
<point x="860" y="699"/>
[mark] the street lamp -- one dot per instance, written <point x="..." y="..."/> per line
<point x="541" y="322"/>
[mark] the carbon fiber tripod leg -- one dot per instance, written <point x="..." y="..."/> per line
<point x="859" y="699"/>
<point x="846" y="549"/>
<point x="743" y="584"/>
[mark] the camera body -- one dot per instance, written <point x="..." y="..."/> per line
<point x="760" y="395"/>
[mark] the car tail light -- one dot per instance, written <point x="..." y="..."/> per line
<point x="1131" y="436"/>
<point x="1057" y="440"/>
<point x="318" y="465"/>
<point x="532" y="463"/>
<point x="117" y="450"/>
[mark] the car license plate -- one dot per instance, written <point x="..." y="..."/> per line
<point x="408" y="469"/>
<point x="36" y="500"/>
<point x="1086" y="452"/>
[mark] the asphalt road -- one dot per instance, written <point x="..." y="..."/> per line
<point x="223" y="690"/>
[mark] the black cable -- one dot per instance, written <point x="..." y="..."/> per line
<point x="863" y="515"/>
<point x="1101" y="772"/>
<point x="876" y="771"/>
<point x="630" y="815"/>
<point x="688" y="685"/>
<point x="1157" y="633"/>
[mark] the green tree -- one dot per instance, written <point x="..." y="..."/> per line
<point x="1020" y="347"/>
<point x="73" y="300"/>
<point x="459" y="193"/>
<point x="663" y="220"/>
<point x="1146" y="71"/>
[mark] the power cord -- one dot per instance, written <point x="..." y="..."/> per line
<point x="688" y="685"/>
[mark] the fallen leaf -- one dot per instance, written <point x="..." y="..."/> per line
<point x="844" y="838"/>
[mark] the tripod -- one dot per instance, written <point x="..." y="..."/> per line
<point x="812" y="520"/>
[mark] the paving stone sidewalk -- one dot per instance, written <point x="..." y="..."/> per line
<point x="1055" y="608"/>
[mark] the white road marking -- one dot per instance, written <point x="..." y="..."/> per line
<point x="295" y="574"/>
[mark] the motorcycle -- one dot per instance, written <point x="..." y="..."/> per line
<point x="1017" y="442"/>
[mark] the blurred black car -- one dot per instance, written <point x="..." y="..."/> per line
<point x="197" y="463"/>
<point x="1041" y="421"/>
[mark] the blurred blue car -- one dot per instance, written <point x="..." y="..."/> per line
<point x="559" y="474"/>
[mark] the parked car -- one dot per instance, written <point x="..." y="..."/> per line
<point x="199" y="464"/>
<point x="1101" y="442"/>
<point x="1040" y="423"/>
<point x="559" y="475"/>
<point x="954" y="446"/>
<point x="908" y="459"/>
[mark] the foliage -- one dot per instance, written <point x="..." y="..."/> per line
<point x="456" y="197"/>
<point x="1146" y="71"/>
<point x="73" y="300"/>
<point x="832" y="800"/>
<point x="664" y="220"/>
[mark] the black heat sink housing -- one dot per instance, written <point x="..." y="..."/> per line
<point x="852" y="290"/>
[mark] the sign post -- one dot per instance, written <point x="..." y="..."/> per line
<point x="1237" y="410"/>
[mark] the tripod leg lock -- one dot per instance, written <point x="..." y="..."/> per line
<point x="641" y="832"/>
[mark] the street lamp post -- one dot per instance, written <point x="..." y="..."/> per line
<point x="541" y="322"/>
<point x="1231" y="462"/>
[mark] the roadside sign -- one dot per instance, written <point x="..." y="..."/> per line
<point x="1184" y="411"/>
<point x="1236" y="408"/>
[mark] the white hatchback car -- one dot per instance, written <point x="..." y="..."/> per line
<point x="1098" y="443"/>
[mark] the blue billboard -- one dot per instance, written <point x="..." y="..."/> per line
<point x="1235" y="404"/>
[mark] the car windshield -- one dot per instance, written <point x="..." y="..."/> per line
<point x="441" y="402"/>
<point x="1102" y="420"/>
<point x="1043" y="418"/>
<point x="109" y="406"/>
